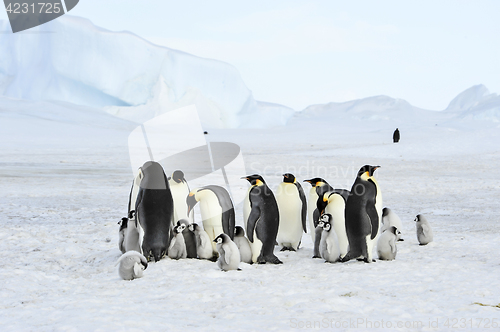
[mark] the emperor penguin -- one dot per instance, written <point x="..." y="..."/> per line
<point x="203" y="245"/>
<point x="424" y="230"/>
<point x="243" y="245"/>
<point x="263" y="221"/>
<point x="362" y="221"/>
<point x="293" y="212"/>
<point x="217" y="211"/>
<point x="132" y="265"/>
<point x="177" y="249"/>
<point x="121" y="234"/>
<point x="229" y="255"/>
<point x="386" y="244"/>
<point x="329" y="247"/>
<point x="333" y="203"/>
<point x="154" y="210"/>
<point x="396" y="136"/>
<point x="319" y="185"/>
<point x="133" y="235"/>
<point x="390" y="218"/>
<point x="189" y="238"/>
<point x="180" y="190"/>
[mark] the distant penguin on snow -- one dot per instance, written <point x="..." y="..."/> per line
<point x="386" y="244"/>
<point x="362" y="219"/>
<point x="217" y="210"/>
<point x="424" y="230"/>
<point x="263" y="221"/>
<point x="229" y="255"/>
<point x="395" y="136"/>
<point x="329" y="246"/>
<point x="390" y="218"/>
<point x="132" y="265"/>
<point x="243" y="245"/>
<point x="292" y="211"/>
<point x="203" y="245"/>
<point x="177" y="249"/>
<point x="317" y="239"/>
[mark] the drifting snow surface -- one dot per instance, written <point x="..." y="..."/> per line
<point x="65" y="183"/>
<point x="71" y="60"/>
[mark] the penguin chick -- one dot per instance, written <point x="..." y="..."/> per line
<point x="386" y="244"/>
<point x="132" y="265"/>
<point x="121" y="234"/>
<point x="317" y="238"/>
<point x="243" y="245"/>
<point x="203" y="245"/>
<point x="189" y="238"/>
<point x="424" y="231"/>
<point x="133" y="234"/>
<point x="329" y="245"/>
<point x="390" y="218"/>
<point x="229" y="255"/>
<point x="177" y="247"/>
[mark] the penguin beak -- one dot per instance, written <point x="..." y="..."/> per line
<point x="215" y="241"/>
<point x="244" y="178"/>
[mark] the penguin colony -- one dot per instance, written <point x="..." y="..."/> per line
<point x="344" y="224"/>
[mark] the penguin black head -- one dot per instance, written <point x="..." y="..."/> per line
<point x="191" y="201"/>
<point x="131" y="214"/>
<point x="288" y="178"/>
<point x="123" y="223"/>
<point x="327" y="226"/>
<point x="239" y="231"/>
<point x="315" y="181"/>
<point x="417" y="218"/>
<point x="178" y="176"/>
<point x="222" y="238"/>
<point x="255" y="179"/>
<point x="326" y="217"/>
<point x="385" y="212"/>
<point x="178" y="229"/>
<point x="394" y="230"/>
<point x="193" y="227"/>
<point x="368" y="170"/>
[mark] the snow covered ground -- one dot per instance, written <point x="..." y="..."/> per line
<point x="66" y="176"/>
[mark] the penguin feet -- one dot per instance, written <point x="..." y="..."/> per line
<point x="213" y="259"/>
<point x="401" y="239"/>
<point x="268" y="259"/>
<point x="287" y="249"/>
<point x="315" y="256"/>
<point x="238" y="269"/>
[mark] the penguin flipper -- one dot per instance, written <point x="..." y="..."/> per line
<point x="227" y="255"/>
<point x="252" y="221"/>
<point x="425" y="230"/>
<point x="304" y="205"/>
<point x="373" y="216"/>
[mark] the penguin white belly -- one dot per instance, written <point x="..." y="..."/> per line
<point x="246" y="208"/>
<point x="244" y="247"/>
<point x="329" y="247"/>
<point x="378" y="205"/>
<point x="336" y="207"/>
<point x="386" y="246"/>
<point x="135" y="191"/>
<point x="204" y="248"/>
<point x="256" y="245"/>
<point x="211" y="214"/>
<point x="311" y="206"/>
<point x="179" y="193"/>
<point x="290" y="209"/>
<point x="369" y="247"/>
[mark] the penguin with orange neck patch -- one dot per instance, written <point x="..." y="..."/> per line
<point x="263" y="221"/>
<point x="362" y="218"/>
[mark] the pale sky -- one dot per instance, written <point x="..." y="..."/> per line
<point x="299" y="53"/>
